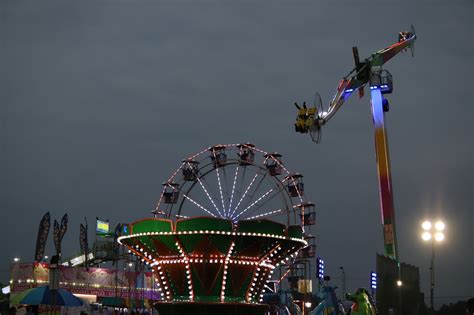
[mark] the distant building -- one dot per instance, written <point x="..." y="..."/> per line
<point x="404" y="299"/>
<point x="91" y="284"/>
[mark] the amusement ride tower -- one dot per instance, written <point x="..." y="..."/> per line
<point x="369" y="71"/>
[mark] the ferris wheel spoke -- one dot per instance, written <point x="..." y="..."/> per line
<point x="244" y="194"/>
<point x="209" y="196"/>
<point x="233" y="188"/>
<point x="253" y="203"/>
<point x="275" y="193"/>
<point x="254" y="191"/>
<point x="220" y="190"/>
<point x="266" y="214"/>
<point x="197" y="204"/>
<point x="241" y="179"/>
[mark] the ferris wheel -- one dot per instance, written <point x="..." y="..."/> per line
<point x="235" y="182"/>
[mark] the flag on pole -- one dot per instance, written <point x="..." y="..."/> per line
<point x="84" y="243"/>
<point x="57" y="238"/>
<point x="43" y="232"/>
<point x="63" y="228"/>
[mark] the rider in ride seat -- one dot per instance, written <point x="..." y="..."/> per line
<point x="302" y="118"/>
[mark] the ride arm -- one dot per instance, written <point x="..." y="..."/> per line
<point x="382" y="56"/>
<point x="356" y="79"/>
<point x="344" y="91"/>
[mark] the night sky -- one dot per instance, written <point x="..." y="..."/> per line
<point x="101" y="100"/>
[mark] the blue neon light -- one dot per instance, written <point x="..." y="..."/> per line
<point x="320" y="267"/>
<point x="373" y="280"/>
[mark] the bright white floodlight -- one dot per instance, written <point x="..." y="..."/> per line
<point x="439" y="236"/>
<point x="426" y="236"/>
<point x="426" y="225"/>
<point x="399" y="283"/>
<point x="439" y="226"/>
<point x="307" y="304"/>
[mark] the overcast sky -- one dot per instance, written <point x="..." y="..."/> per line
<point x="100" y="100"/>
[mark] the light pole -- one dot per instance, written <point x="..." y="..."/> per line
<point x="433" y="234"/>
<point x="343" y="282"/>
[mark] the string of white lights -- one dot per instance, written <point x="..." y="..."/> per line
<point x="185" y="258"/>
<point x="269" y="213"/>
<point x="124" y="237"/>
<point x="197" y="204"/>
<point x="244" y="194"/>
<point x="276" y="193"/>
<point x="209" y="196"/>
<point x="226" y="266"/>
<point x="253" y="203"/>
<point x="220" y="188"/>
<point x="233" y="188"/>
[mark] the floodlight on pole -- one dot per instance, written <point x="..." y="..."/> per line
<point x="439" y="226"/>
<point x="426" y="236"/>
<point x="426" y="225"/>
<point x="343" y="281"/>
<point x="435" y="236"/>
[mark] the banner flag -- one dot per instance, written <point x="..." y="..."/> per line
<point x="84" y="243"/>
<point x="56" y="238"/>
<point x="82" y="235"/>
<point x="43" y="232"/>
<point x="63" y="227"/>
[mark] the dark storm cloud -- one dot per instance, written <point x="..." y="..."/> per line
<point x="102" y="99"/>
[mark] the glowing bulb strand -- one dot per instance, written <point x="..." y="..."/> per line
<point x="233" y="188"/>
<point x="197" y="204"/>
<point x="209" y="196"/>
<point x="253" y="203"/>
<point x="244" y="194"/>
<point x="220" y="190"/>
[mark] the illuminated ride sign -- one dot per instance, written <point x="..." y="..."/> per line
<point x="102" y="227"/>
